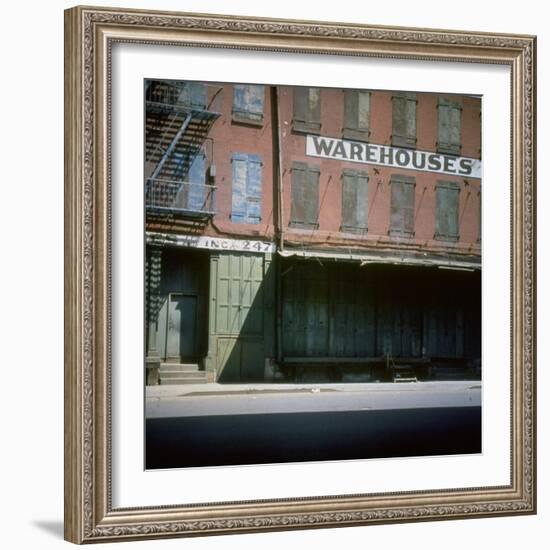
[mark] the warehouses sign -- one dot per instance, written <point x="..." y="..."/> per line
<point x="410" y="159"/>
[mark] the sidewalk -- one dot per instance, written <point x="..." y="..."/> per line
<point x="226" y="399"/>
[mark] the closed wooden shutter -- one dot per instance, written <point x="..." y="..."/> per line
<point x="193" y="94"/>
<point x="305" y="195"/>
<point x="404" y="120"/>
<point x="446" y="221"/>
<point x="402" y="206"/>
<point x="248" y="103"/>
<point x="354" y="200"/>
<point x="306" y="109"/>
<point x="449" y="126"/>
<point x="356" y="114"/>
<point x="247" y="188"/>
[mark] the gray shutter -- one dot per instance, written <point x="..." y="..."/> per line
<point x="239" y="176"/>
<point x="446" y="221"/>
<point x="254" y="189"/>
<point x="402" y="206"/>
<point x="298" y="183"/>
<point x="314" y="108"/>
<point x="305" y="195"/>
<point x="356" y="114"/>
<point x="354" y="200"/>
<point x="300" y="104"/>
<point x="362" y="201"/>
<point x="306" y="109"/>
<point x="349" y="185"/>
<point x="449" y="126"/>
<point x="404" y="120"/>
<point x="311" y="207"/>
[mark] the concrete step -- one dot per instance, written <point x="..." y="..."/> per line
<point x="182" y="374"/>
<point x="181" y="367"/>
<point x="194" y="380"/>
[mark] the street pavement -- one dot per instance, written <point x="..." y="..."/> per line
<point x="231" y="399"/>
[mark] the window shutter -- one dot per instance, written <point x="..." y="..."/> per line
<point x="356" y="114"/>
<point x="247" y="188"/>
<point x="298" y="183"/>
<point x="314" y="106"/>
<point x="362" y="201"/>
<point x="349" y="185"/>
<point x="446" y="221"/>
<point x="402" y="206"/>
<point x="254" y="189"/>
<point x="196" y="179"/>
<point x="307" y="109"/>
<point x="354" y="200"/>
<point x="300" y="104"/>
<point x="193" y="94"/>
<point x="304" y="209"/>
<point x="311" y="196"/>
<point x="449" y="127"/>
<point x="239" y="176"/>
<point x="404" y="120"/>
<point x="248" y="103"/>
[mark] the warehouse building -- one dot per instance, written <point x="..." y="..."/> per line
<point x="306" y="235"/>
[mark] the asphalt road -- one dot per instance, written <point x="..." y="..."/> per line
<point x="233" y="428"/>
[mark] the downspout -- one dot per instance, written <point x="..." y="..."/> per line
<point x="278" y="173"/>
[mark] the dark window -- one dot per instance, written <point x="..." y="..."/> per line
<point x="304" y="209"/>
<point x="354" y="201"/>
<point x="402" y="206"/>
<point x="446" y="215"/>
<point x="247" y="188"/>
<point x="193" y="94"/>
<point x="356" y="114"/>
<point x="448" y="127"/>
<point x="307" y="110"/>
<point x="404" y="120"/>
<point x="248" y="104"/>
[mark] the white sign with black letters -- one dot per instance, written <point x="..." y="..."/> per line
<point x="410" y="159"/>
<point x="211" y="243"/>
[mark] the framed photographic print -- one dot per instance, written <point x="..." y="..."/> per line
<point x="287" y="305"/>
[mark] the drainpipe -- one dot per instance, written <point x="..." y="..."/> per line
<point x="278" y="173"/>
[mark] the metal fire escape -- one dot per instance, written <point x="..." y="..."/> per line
<point x="179" y="168"/>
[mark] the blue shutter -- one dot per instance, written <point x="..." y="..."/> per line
<point x="198" y="95"/>
<point x="239" y="171"/>
<point x="239" y="103"/>
<point x="196" y="177"/>
<point x="248" y="102"/>
<point x="247" y="188"/>
<point x="254" y="189"/>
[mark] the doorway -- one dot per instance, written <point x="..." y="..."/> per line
<point x="181" y="327"/>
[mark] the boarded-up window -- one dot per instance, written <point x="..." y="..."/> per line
<point x="248" y="104"/>
<point x="304" y="209"/>
<point x="356" y="114"/>
<point x="404" y="120"/>
<point x="193" y="95"/>
<point x="246" y="204"/>
<point x="446" y="215"/>
<point x="354" y="201"/>
<point x="307" y="110"/>
<point x="448" y="126"/>
<point x="402" y="206"/>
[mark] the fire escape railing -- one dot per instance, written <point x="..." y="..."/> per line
<point x="179" y="167"/>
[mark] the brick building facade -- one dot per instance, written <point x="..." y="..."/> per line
<point x="311" y="234"/>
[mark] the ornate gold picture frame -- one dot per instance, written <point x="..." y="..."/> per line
<point x="90" y="36"/>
